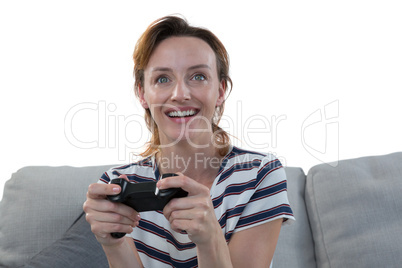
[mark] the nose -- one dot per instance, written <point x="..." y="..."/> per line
<point x="180" y="92"/>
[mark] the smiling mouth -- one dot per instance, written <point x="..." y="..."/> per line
<point x="181" y="114"/>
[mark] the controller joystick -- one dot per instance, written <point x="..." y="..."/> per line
<point x="144" y="196"/>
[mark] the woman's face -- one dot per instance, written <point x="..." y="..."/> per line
<point x="182" y="89"/>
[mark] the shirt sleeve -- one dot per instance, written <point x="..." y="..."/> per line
<point x="269" y="201"/>
<point x="108" y="176"/>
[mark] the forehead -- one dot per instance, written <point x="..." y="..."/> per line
<point x="181" y="53"/>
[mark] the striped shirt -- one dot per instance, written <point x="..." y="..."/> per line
<point x="249" y="190"/>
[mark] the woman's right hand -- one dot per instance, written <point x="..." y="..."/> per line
<point x="106" y="217"/>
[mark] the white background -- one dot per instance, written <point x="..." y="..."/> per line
<point x="314" y="81"/>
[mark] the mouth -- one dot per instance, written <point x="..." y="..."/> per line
<point x="182" y="113"/>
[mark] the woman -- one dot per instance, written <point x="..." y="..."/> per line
<point x="236" y="199"/>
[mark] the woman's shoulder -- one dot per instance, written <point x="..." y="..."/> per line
<point x="241" y="165"/>
<point x="142" y="170"/>
<point x="238" y="155"/>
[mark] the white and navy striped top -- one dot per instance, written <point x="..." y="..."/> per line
<point x="250" y="189"/>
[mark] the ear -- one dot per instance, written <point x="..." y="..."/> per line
<point x="222" y="91"/>
<point x="141" y="95"/>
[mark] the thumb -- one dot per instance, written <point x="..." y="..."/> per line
<point x="123" y="176"/>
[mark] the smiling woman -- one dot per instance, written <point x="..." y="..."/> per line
<point x="183" y="59"/>
<point x="148" y="42"/>
<point x="236" y="200"/>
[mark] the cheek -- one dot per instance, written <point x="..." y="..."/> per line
<point x="214" y="98"/>
<point x="156" y="102"/>
<point x="151" y="97"/>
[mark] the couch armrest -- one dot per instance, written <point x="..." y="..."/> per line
<point x="295" y="246"/>
<point x="38" y="206"/>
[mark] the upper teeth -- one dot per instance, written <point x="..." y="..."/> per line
<point x="181" y="113"/>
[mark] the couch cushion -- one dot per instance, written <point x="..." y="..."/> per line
<point x="38" y="206"/>
<point x="77" y="248"/>
<point x="295" y="246"/>
<point x="355" y="211"/>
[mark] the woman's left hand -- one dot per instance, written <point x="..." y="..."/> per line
<point x="193" y="214"/>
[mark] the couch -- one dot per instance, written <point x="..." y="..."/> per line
<point x="348" y="214"/>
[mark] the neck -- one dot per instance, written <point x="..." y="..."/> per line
<point x="201" y="164"/>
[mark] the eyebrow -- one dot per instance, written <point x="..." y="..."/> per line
<point x="166" y="69"/>
<point x="199" y="66"/>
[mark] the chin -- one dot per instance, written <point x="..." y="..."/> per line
<point x="190" y="137"/>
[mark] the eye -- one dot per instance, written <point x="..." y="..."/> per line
<point x="199" y="77"/>
<point x="162" y="79"/>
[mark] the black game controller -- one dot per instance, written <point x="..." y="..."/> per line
<point x="144" y="196"/>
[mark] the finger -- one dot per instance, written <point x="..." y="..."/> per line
<point x="181" y="214"/>
<point x="104" y="205"/>
<point x="178" y="204"/>
<point x="104" y="230"/>
<point x="180" y="225"/>
<point x="197" y="211"/>
<point x="103" y="223"/>
<point x="109" y="217"/>
<point x="100" y="190"/>
<point x="187" y="184"/>
<point x="124" y="176"/>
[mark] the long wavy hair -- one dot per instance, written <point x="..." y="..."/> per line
<point x="173" y="26"/>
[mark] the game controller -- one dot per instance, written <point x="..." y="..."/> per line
<point x="144" y="196"/>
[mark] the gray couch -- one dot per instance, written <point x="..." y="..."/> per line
<point x="346" y="216"/>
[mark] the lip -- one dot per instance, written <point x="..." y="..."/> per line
<point x="184" y="119"/>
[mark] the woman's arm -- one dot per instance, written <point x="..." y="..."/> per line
<point x="195" y="214"/>
<point x="123" y="255"/>
<point x="106" y="217"/>
<point x="255" y="247"/>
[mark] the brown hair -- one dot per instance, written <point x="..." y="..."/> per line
<point x="160" y="30"/>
